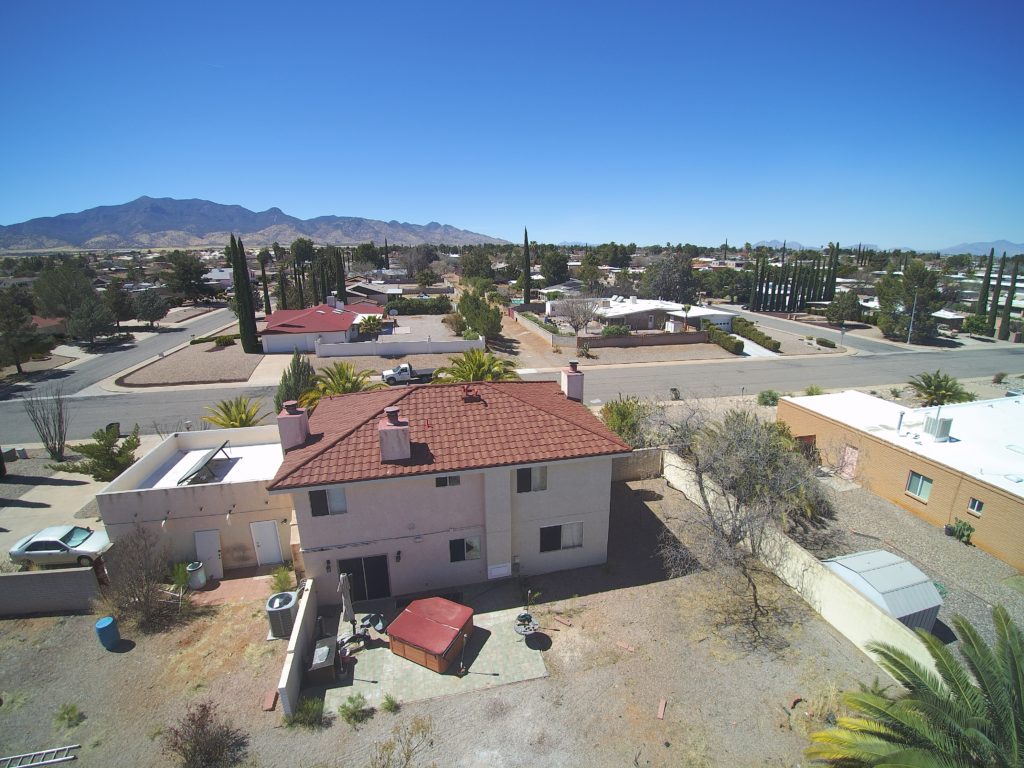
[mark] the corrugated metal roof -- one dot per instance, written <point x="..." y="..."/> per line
<point x="888" y="580"/>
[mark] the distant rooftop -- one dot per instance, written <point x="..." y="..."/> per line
<point x="986" y="438"/>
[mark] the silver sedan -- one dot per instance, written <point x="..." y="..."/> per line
<point x="61" y="545"/>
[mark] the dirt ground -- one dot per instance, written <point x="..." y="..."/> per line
<point x="195" y="364"/>
<point x="636" y="637"/>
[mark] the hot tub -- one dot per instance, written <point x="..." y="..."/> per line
<point x="431" y="632"/>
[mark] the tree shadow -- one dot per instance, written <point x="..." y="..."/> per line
<point x="17" y="479"/>
<point x="22" y="504"/>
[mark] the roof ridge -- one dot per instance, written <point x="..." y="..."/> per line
<point x="561" y="418"/>
<point x="328" y="444"/>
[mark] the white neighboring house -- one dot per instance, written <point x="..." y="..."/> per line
<point x="289" y="330"/>
<point x="420" y="488"/>
<point x="638" y="314"/>
<point x="205" y="495"/>
<point x="678" y="319"/>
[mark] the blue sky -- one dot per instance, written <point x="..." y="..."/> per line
<point x="896" y="123"/>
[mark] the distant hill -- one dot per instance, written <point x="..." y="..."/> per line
<point x="169" y="223"/>
<point x="791" y="245"/>
<point x="982" y="249"/>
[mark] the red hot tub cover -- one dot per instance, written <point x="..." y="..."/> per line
<point x="432" y="624"/>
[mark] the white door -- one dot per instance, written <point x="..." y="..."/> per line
<point x="267" y="541"/>
<point x="208" y="553"/>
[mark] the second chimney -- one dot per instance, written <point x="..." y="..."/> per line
<point x="394" y="436"/>
<point x="572" y="381"/>
<point x="292" y="425"/>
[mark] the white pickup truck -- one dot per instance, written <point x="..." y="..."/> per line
<point x="405" y="374"/>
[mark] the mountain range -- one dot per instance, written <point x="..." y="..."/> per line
<point x="982" y="249"/>
<point x="166" y="222"/>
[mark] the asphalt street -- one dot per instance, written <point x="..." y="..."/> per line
<point x="169" y="410"/>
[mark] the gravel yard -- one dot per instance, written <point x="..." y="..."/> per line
<point x="635" y="638"/>
<point x="975" y="580"/>
<point x="195" y="364"/>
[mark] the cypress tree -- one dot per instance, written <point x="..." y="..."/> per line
<point x="994" y="309"/>
<point x="243" y="298"/>
<point x="1004" y="322"/>
<point x="297" y="279"/>
<point x="982" y="307"/>
<point x="752" y="301"/>
<point x="282" y="286"/>
<point x="830" y="280"/>
<point x="339" y="276"/>
<point x="387" y="261"/>
<point x="318" y="297"/>
<point x="527" y="292"/>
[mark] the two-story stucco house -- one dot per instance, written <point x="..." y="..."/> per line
<point x="425" y="487"/>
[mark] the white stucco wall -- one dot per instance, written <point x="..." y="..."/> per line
<point x="418" y="519"/>
<point x="286" y="343"/>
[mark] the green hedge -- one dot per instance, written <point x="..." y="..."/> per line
<point x="615" y="330"/>
<point x="438" y="305"/>
<point x="549" y="327"/>
<point x="826" y="343"/>
<point x="746" y="329"/>
<point x="724" y="340"/>
<point x="221" y="341"/>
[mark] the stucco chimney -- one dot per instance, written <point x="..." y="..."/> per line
<point x="331" y="301"/>
<point x="292" y="425"/>
<point x="394" y="436"/>
<point x="572" y="381"/>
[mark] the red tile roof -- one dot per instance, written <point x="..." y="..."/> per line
<point x="319" y="319"/>
<point x="514" y="422"/>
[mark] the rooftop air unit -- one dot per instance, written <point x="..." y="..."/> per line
<point x="281" y="610"/>
<point x="938" y="428"/>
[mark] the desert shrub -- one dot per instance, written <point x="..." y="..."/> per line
<point x="69" y="716"/>
<point x="629" y="418"/>
<point x="615" y="330"/>
<point x="470" y="335"/>
<point x="390" y="704"/>
<point x="826" y="343"/>
<point x="406" y="742"/>
<point x="962" y="530"/>
<point x="814" y="389"/>
<point x="202" y="739"/>
<point x="224" y="341"/>
<point x="354" y="710"/>
<point x="456" y="322"/>
<point x="896" y="392"/>
<point x="309" y="714"/>
<point x="136" y="569"/>
<point x="998" y="378"/>
<point x="216" y="339"/>
<point x="550" y="327"/>
<point x="282" y="580"/>
<point x="768" y="397"/>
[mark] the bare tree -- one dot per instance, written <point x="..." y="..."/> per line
<point x="749" y="478"/>
<point x="137" y="567"/>
<point x="577" y="312"/>
<point x="51" y="417"/>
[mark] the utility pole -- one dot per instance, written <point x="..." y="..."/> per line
<point x="910" y="330"/>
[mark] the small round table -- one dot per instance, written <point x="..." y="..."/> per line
<point x="525" y="625"/>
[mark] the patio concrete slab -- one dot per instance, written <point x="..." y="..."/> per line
<point x="495" y="655"/>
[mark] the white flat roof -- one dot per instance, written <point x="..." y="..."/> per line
<point x="248" y="463"/>
<point x="986" y="440"/>
<point x="623" y="307"/>
<point x="702" y="312"/>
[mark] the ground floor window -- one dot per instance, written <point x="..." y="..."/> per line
<point x="919" y="486"/>
<point x="975" y="506"/>
<point x="464" y="549"/>
<point x="565" y="536"/>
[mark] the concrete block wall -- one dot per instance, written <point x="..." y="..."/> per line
<point x="54" y="591"/>
<point x="300" y="647"/>
<point x="642" y="464"/>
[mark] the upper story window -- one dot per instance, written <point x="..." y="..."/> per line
<point x="447" y="481"/>
<point x="919" y="486"/>
<point x="329" y="502"/>
<point x="531" y="479"/>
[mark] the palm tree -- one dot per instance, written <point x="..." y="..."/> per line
<point x="240" y="411"/>
<point x="338" y="379"/>
<point x="686" y="316"/>
<point x="371" y="325"/>
<point x="476" y="365"/>
<point x="967" y="715"/>
<point x="939" y="389"/>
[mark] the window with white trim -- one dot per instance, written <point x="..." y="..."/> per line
<point x="447" y="481"/>
<point x="919" y="486"/>
<point x="464" y="549"/>
<point x="531" y="479"/>
<point x="974" y="506"/>
<point x="328" y="502"/>
<point x="557" y="537"/>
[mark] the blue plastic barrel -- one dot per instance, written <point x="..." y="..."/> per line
<point x="106" y="631"/>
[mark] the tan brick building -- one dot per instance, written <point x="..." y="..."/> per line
<point x="942" y="463"/>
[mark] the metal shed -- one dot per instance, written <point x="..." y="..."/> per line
<point x="896" y="586"/>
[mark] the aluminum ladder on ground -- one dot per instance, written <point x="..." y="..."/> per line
<point x="43" y="757"/>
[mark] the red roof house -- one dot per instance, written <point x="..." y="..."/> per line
<point x="288" y="330"/>
<point x="431" y="486"/>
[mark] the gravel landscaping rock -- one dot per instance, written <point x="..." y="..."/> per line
<point x="195" y="364"/>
